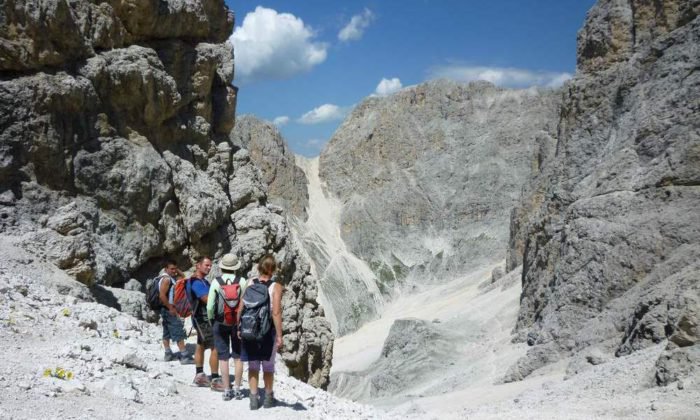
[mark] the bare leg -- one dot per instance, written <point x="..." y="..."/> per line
<point x="223" y="366"/>
<point x="199" y="356"/>
<point x="180" y="345"/>
<point x="268" y="378"/>
<point x="213" y="361"/>
<point x="253" y="381"/>
<point x="238" y="372"/>
<point x="166" y="344"/>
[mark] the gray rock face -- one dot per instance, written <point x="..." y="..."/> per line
<point x="427" y="177"/>
<point x="609" y="232"/>
<point x="115" y="153"/>
<point x="286" y="183"/>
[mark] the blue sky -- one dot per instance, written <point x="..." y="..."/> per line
<point x="305" y="63"/>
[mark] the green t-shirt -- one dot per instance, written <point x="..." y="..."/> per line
<point x="214" y="288"/>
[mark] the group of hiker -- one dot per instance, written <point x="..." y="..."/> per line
<point x="234" y="317"/>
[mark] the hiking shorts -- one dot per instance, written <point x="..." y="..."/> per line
<point x="226" y="341"/>
<point x="205" y="337"/>
<point x="173" y="327"/>
<point x="267" y="365"/>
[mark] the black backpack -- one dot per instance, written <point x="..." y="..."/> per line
<point x="153" y="293"/>
<point x="256" y="317"/>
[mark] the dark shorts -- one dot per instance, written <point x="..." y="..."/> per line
<point x="205" y="336"/>
<point x="262" y="351"/>
<point x="226" y="341"/>
<point x="173" y="327"/>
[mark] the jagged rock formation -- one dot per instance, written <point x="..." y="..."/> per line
<point x="115" y="152"/>
<point x="609" y="232"/>
<point x="426" y="179"/>
<point x="286" y="182"/>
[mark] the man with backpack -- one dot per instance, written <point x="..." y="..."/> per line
<point x="222" y="307"/>
<point x="160" y="294"/>
<point x="198" y="295"/>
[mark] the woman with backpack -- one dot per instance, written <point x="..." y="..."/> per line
<point x="260" y="328"/>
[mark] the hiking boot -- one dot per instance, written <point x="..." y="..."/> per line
<point x="254" y="401"/>
<point x="269" y="400"/>
<point x="201" y="379"/>
<point x="217" y="384"/>
<point x="186" y="359"/>
<point x="237" y="394"/>
<point x="169" y="356"/>
<point x="229" y="394"/>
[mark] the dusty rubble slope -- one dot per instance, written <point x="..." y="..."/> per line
<point x="49" y="321"/>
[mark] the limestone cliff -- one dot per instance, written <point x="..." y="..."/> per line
<point x="426" y="180"/>
<point x="609" y="232"/>
<point x="286" y="182"/>
<point x="114" y="151"/>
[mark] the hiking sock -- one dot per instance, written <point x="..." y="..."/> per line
<point x="214" y="375"/>
<point x="199" y="370"/>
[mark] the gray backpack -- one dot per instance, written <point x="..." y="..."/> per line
<point x="256" y="317"/>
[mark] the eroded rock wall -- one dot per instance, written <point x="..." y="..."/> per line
<point x="426" y="180"/>
<point x="609" y="233"/>
<point x="286" y="182"/>
<point x="114" y="151"/>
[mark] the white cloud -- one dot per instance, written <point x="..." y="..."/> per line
<point x="388" y="86"/>
<point x="356" y="27"/>
<point x="322" y="114"/>
<point x="501" y="76"/>
<point x="281" y="120"/>
<point x="271" y="45"/>
<point x="315" y="145"/>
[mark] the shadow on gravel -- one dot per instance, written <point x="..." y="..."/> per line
<point x="280" y="404"/>
<point x="105" y="297"/>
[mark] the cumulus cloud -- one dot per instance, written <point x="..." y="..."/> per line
<point x="501" y="76"/>
<point x="281" y="120"/>
<point x="356" y="27"/>
<point x="322" y="114"/>
<point x="270" y="45"/>
<point x="388" y="86"/>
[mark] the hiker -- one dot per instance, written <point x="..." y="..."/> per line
<point x="173" y="327"/>
<point x="261" y="338"/>
<point x="198" y="291"/>
<point x="224" y="296"/>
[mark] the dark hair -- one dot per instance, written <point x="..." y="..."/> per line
<point x="202" y="258"/>
<point x="267" y="265"/>
<point x="168" y="262"/>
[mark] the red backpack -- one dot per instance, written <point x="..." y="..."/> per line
<point x="181" y="298"/>
<point x="227" y="298"/>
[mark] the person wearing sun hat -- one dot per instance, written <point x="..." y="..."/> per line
<point x="226" y="340"/>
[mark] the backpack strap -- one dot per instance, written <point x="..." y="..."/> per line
<point x="220" y="280"/>
<point x="188" y="287"/>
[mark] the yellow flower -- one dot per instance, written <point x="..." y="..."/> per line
<point x="115" y="334"/>
<point x="47" y="372"/>
<point x="69" y="375"/>
<point x="66" y="312"/>
<point x="60" y="373"/>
